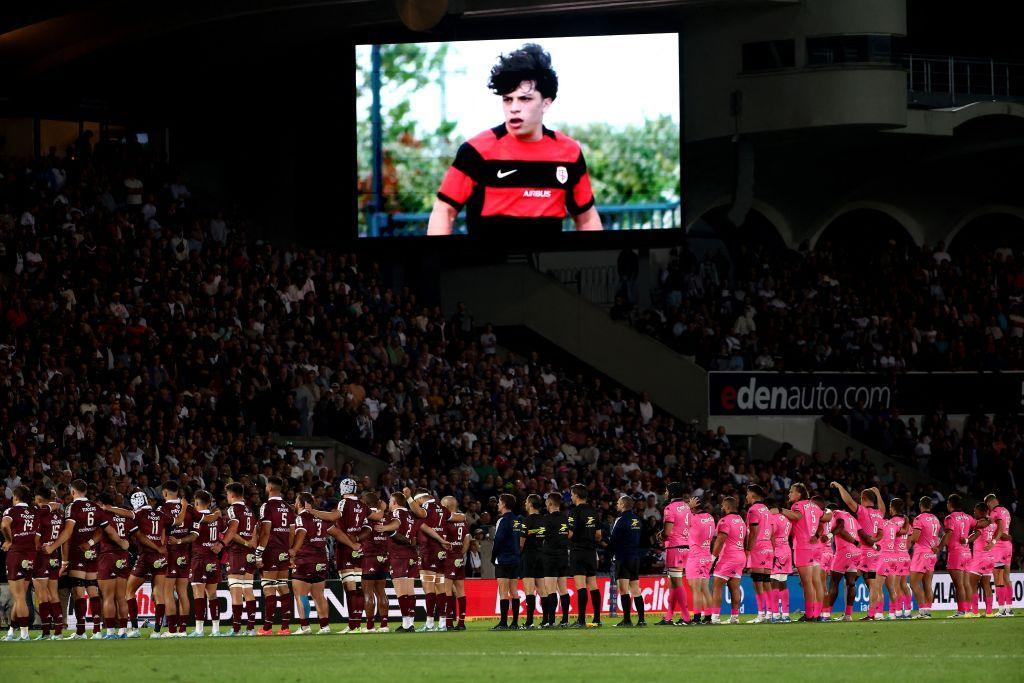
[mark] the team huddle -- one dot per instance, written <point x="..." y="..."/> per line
<point x="184" y="546"/>
<point x="829" y="546"/>
<point x="181" y="544"/>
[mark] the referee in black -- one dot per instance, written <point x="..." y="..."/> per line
<point x="533" y="555"/>
<point x="506" y="557"/>
<point x="624" y="545"/>
<point x="556" y="562"/>
<point x="519" y="179"/>
<point x="583" y="539"/>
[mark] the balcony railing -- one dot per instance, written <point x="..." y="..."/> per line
<point x="944" y="81"/>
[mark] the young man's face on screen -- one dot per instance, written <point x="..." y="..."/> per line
<point x="524" y="110"/>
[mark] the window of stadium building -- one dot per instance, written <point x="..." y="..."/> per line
<point x="858" y="49"/>
<point x="769" y="54"/>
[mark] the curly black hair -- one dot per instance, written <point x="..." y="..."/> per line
<point x="528" y="63"/>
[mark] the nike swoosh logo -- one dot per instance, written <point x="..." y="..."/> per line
<point x="502" y="174"/>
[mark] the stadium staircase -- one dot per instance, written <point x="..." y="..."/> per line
<point x="517" y="294"/>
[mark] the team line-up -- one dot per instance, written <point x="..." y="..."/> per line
<point x="108" y="552"/>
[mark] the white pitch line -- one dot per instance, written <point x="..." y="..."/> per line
<point x="605" y="654"/>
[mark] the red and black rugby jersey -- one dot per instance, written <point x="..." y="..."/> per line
<point x="508" y="184"/>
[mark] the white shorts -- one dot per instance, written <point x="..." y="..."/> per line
<point x="676" y="573"/>
<point x="779" y="577"/>
<point x="353" y="574"/>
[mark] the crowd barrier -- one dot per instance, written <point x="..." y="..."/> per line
<point x="482" y="597"/>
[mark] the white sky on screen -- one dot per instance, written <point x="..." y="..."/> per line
<point x="618" y="80"/>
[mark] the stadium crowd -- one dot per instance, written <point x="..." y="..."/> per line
<point x="899" y="308"/>
<point x="149" y="335"/>
<point x="146" y="337"/>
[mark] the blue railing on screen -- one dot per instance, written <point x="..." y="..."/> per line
<point x="641" y="216"/>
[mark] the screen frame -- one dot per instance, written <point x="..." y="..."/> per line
<point x="452" y="30"/>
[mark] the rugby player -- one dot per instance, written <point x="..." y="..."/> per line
<point x="46" y="570"/>
<point x="239" y="541"/>
<point x="924" y="537"/>
<point x="760" y="551"/>
<point x="21" y="532"/>
<point x="728" y="559"/>
<point x="81" y="520"/>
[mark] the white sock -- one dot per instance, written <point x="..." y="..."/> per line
<point x="199" y="626"/>
<point x="827" y="615"/>
<point x="24" y="631"/>
<point x="407" y="622"/>
<point x="110" y="631"/>
<point x="216" y="624"/>
<point x="430" y="622"/>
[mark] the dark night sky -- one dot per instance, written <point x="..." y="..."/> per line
<point x="975" y="28"/>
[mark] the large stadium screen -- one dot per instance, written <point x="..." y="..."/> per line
<point x="518" y="137"/>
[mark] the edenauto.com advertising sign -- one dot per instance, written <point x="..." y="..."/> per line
<point x="780" y="393"/>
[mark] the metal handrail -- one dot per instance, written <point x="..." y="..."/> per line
<point x="956" y="80"/>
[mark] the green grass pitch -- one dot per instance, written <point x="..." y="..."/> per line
<point x="934" y="650"/>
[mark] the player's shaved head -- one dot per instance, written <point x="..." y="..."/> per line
<point x="554" y="501"/>
<point x="202" y="498"/>
<point x="534" y="502"/>
<point x="450" y="503"/>
<point x="274" y="484"/>
<point x="80" y="487"/>
<point x="729" y="504"/>
<point x="925" y="503"/>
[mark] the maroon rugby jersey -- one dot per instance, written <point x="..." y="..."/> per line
<point x="376" y="544"/>
<point x="51" y="521"/>
<point x="407" y="530"/>
<point x="455" y="533"/>
<point x="153" y="524"/>
<point x="24" y="527"/>
<point x="85" y="515"/>
<point x="122" y="526"/>
<point x="241" y="513"/>
<point x="353" y="516"/>
<point x="209" y="534"/>
<point x="280" y="516"/>
<point x="172" y="508"/>
<point x="314" y="545"/>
